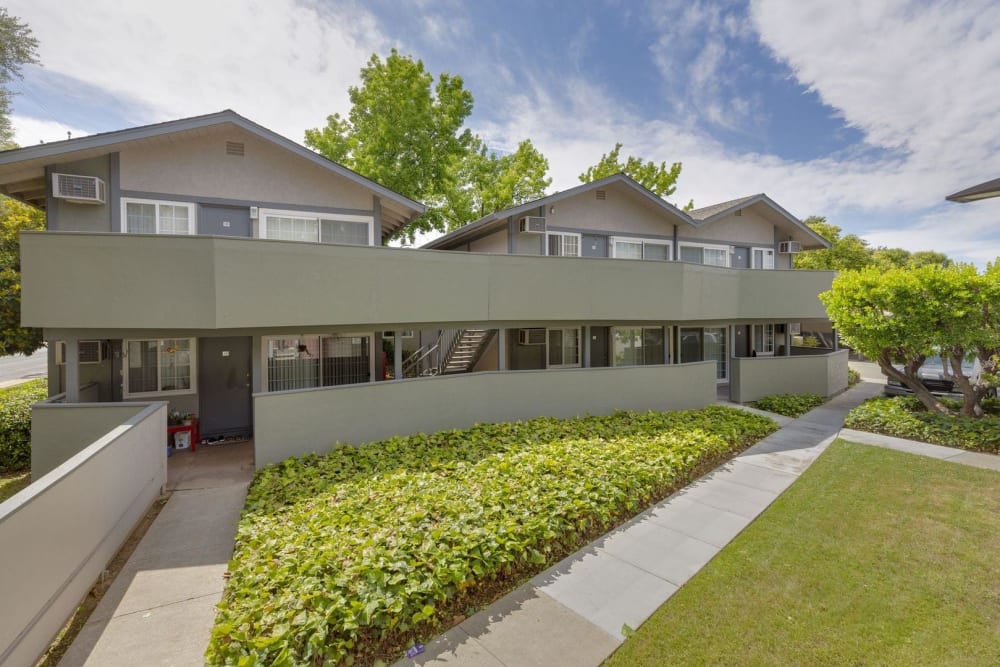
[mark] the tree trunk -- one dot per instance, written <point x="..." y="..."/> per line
<point x="972" y="395"/>
<point x="913" y="383"/>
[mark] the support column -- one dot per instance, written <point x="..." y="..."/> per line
<point x="788" y="339"/>
<point x="836" y="340"/>
<point x="397" y="355"/>
<point x="53" y="369"/>
<point x="501" y="349"/>
<point x="72" y="361"/>
<point x="586" y="348"/>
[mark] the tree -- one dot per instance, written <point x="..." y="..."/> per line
<point x="15" y="217"/>
<point x="657" y="178"/>
<point x="404" y="131"/>
<point x="845" y="253"/>
<point x="900" y="316"/>
<point x="17" y="48"/>
<point x="487" y="181"/>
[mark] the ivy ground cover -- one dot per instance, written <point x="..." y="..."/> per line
<point x="351" y="556"/>
<point x="906" y="417"/>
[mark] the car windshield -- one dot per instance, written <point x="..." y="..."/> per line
<point x="936" y="361"/>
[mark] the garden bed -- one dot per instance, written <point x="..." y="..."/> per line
<point x="905" y="417"/>
<point x="789" y="405"/>
<point x="354" y="555"/>
<point x="15" y="423"/>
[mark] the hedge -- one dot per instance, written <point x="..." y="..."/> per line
<point x="853" y="377"/>
<point x="353" y="555"/>
<point x="789" y="405"/>
<point x="15" y="423"/>
<point x="905" y="417"/>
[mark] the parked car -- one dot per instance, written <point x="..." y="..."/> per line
<point x="937" y="376"/>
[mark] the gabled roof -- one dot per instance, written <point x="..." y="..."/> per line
<point x="20" y="167"/>
<point x="981" y="191"/>
<point x="709" y="214"/>
<point x="498" y="219"/>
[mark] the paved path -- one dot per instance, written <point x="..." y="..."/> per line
<point x="161" y="607"/>
<point x="17" y="368"/>
<point x="975" y="459"/>
<point x="574" y="612"/>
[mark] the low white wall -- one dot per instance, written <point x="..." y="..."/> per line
<point x="293" y="423"/>
<point x="59" y="533"/>
<point x="753" y="378"/>
<point x="60" y="430"/>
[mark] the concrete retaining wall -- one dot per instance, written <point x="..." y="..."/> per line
<point x="60" y="533"/>
<point x="752" y="378"/>
<point x="298" y="422"/>
<point x="60" y="430"/>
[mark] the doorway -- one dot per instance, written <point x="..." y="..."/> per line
<point x="225" y="408"/>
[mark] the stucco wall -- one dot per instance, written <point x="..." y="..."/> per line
<point x="752" y="378"/>
<point x="60" y="532"/>
<point x="59" y="431"/>
<point x="266" y="173"/>
<point x="299" y="422"/>
<point x="70" y="217"/>
<point x="746" y="229"/>
<point x="495" y="243"/>
<point x="224" y="285"/>
<point x="623" y="211"/>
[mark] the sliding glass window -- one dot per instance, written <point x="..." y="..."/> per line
<point x="638" y="346"/>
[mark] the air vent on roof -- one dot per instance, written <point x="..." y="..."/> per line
<point x="235" y="148"/>
<point x="602" y="194"/>
<point x="78" y="189"/>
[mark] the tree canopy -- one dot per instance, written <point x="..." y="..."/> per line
<point x="14" y="218"/>
<point x="406" y="131"/>
<point x="851" y="252"/>
<point x="17" y="48"/>
<point x="658" y="178"/>
<point x="900" y="316"/>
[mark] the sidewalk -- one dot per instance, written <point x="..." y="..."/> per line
<point x="161" y="607"/>
<point x="575" y="612"/>
<point x="974" y="459"/>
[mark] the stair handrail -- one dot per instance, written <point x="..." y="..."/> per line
<point x="456" y="336"/>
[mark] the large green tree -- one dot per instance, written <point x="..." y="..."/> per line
<point x="900" y="316"/>
<point x="14" y="218"/>
<point x="404" y="130"/>
<point x="845" y="252"/>
<point x="490" y="181"/>
<point x="658" y="178"/>
<point x="17" y="48"/>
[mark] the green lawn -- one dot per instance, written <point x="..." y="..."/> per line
<point x="12" y="483"/>
<point x="873" y="557"/>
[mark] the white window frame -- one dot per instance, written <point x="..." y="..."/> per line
<point x="764" y="329"/>
<point x="644" y="242"/>
<point x="711" y="246"/>
<point x="562" y="243"/>
<point x="263" y="214"/>
<point x="372" y="362"/>
<point x="192" y="214"/>
<point x="579" y="347"/>
<point x="765" y="252"/>
<point x="404" y="333"/>
<point x="159" y="379"/>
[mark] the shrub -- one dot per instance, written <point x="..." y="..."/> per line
<point x="15" y="424"/>
<point x="905" y="417"/>
<point x="790" y="405"/>
<point x="352" y="555"/>
<point x="853" y="377"/>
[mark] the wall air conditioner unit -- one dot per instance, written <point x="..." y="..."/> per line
<point x="91" y="352"/>
<point x="789" y="247"/>
<point x="531" y="337"/>
<point x="254" y="212"/>
<point x="532" y="224"/>
<point x="78" y="189"/>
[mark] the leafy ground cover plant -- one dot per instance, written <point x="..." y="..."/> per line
<point x="15" y="424"/>
<point x="350" y="556"/>
<point x="853" y="377"/>
<point x="789" y="405"/>
<point x="905" y="417"/>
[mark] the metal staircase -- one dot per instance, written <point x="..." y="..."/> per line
<point x="465" y="350"/>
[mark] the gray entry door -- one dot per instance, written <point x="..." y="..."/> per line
<point x="599" y="347"/>
<point x="741" y="258"/>
<point x="224" y="221"/>
<point x="592" y="245"/>
<point x="224" y="387"/>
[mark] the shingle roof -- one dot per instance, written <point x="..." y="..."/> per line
<point x="708" y="211"/>
<point x="981" y="191"/>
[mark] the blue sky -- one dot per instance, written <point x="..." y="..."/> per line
<point x="866" y="112"/>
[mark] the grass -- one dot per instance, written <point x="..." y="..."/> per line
<point x="12" y="483"/>
<point x="872" y="557"/>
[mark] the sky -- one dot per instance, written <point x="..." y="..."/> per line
<point x="868" y="112"/>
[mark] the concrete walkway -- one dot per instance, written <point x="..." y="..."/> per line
<point x="575" y="612"/>
<point x="974" y="459"/>
<point x="161" y="607"/>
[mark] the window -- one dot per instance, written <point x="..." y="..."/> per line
<point x="562" y="244"/>
<point x="627" y="248"/>
<point x="763" y="340"/>
<point x="763" y="258"/>
<point x="303" y="362"/>
<point x="316" y="227"/>
<point x="705" y="345"/>
<point x="704" y="254"/>
<point x="143" y="216"/>
<point x="564" y="347"/>
<point x="637" y="346"/>
<point x="91" y="351"/>
<point x="164" y="366"/>
<point x="405" y="333"/>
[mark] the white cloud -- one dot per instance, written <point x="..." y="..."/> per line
<point x="283" y="64"/>
<point x="30" y="131"/>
